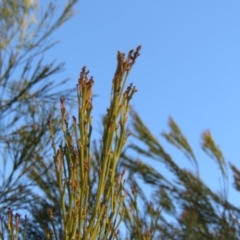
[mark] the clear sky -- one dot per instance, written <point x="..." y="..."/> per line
<point x="189" y="67"/>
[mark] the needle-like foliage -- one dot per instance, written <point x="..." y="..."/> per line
<point x="88" y="192"/>
<point x="28" y="95"/>
<point x="83" y="191"/>
<point x="189" y="208"/>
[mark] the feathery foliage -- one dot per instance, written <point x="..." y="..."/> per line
<point x="28" y="96"/>
<point x="83" y="191"/>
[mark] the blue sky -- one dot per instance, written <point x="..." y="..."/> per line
<point x="189" y="67"/>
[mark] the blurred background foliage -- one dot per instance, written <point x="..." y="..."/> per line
<point x="29" y="93"/>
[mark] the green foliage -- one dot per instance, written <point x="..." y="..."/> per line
<point x="88" y="192"/>
<point x="87" y="189"/>
<point x="189" y="208"/>
<point x="88" y="213"/>
<point x="28" y="96"/>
